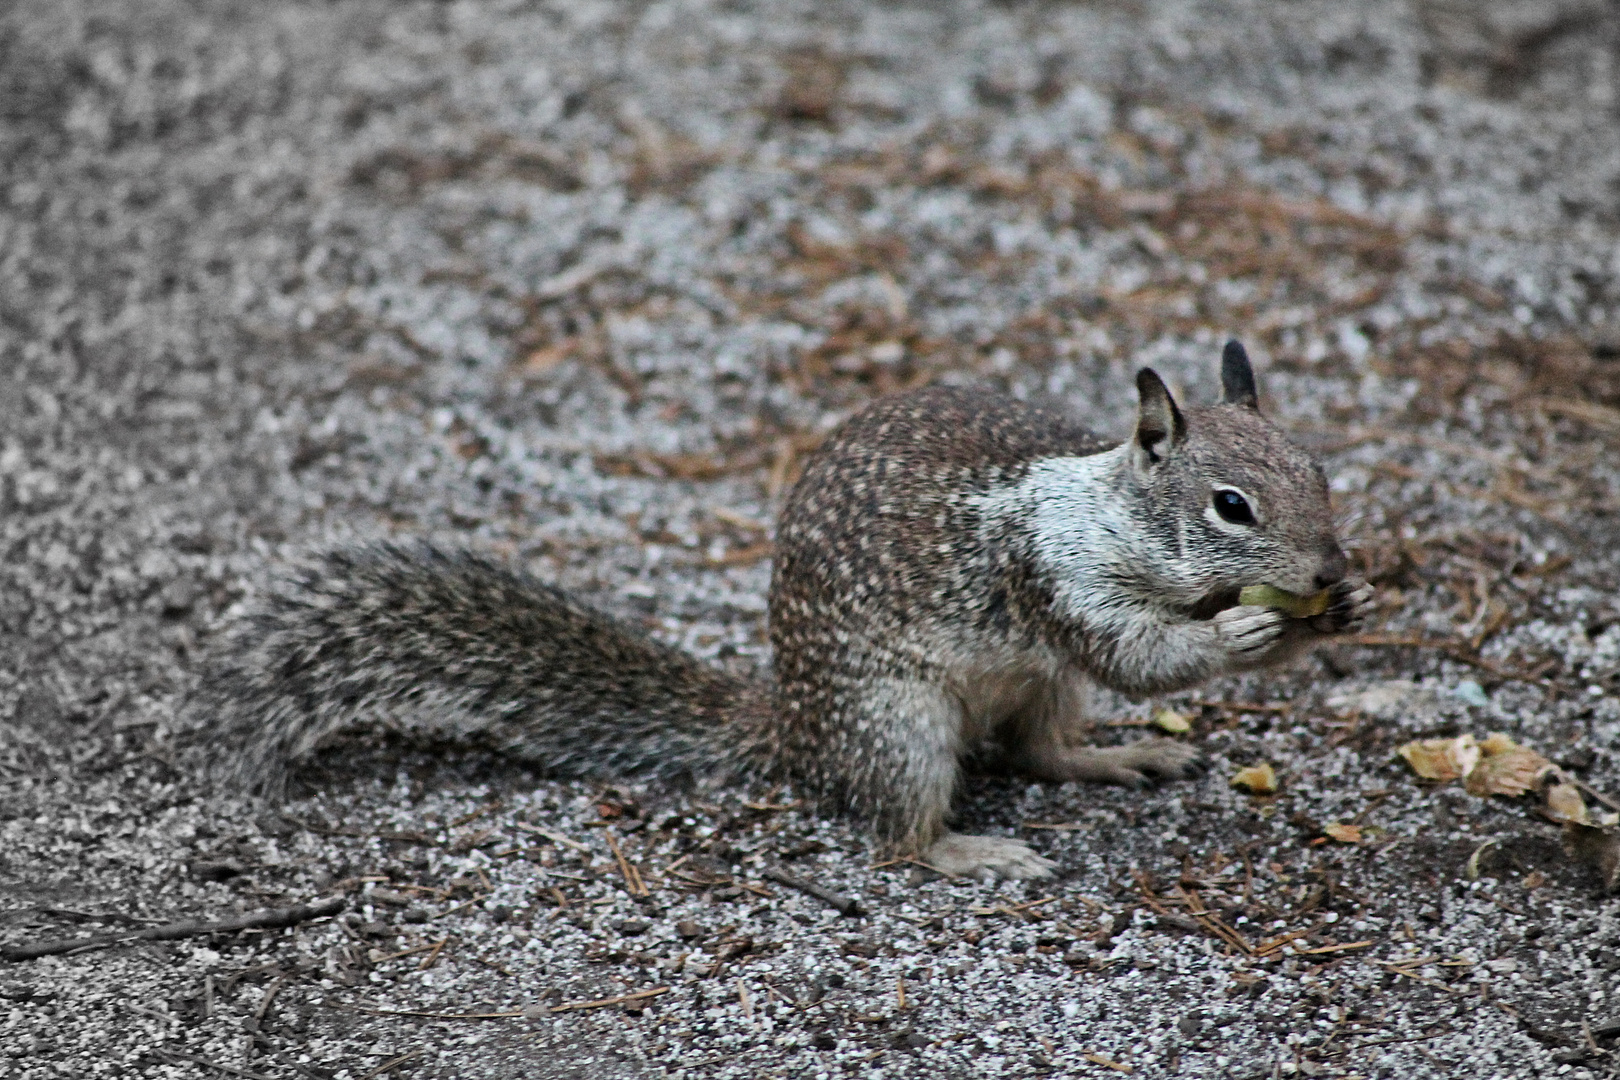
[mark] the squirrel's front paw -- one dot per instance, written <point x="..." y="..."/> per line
<point x="1349" y="604"/>
<point x="1248" y="629"/>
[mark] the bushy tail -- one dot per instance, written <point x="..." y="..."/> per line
<point x="455" y="643"/>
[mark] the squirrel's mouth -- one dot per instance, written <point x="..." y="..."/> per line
<point x="1213" y="603"/>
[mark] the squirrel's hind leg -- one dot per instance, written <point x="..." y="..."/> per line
<point x="897" y="746"/>
<point x="1046" y="746"/>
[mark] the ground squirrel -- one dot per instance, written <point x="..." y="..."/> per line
<point x="952" y="569"/>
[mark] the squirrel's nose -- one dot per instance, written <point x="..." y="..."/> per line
<point x="1334" y="567"/>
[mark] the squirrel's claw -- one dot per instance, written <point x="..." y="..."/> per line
<point x="1150" y="760"/>
<point x="1349" y="605"/>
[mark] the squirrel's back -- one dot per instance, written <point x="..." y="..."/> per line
<point x="885" y="509"/>
<point x="458" y="644"/>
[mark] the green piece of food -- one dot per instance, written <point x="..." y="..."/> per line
<point x="1172" y="721"/>
<point x="1297" y="606"/>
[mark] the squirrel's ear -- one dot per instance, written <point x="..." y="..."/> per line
<point x="1237" y="377"/>
<point x="1159" y="426"/>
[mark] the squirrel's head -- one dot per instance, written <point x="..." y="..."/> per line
<point x="1226" y="498"/>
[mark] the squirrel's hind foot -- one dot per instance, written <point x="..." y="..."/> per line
<point x="1135" y="765"/>
<point x="960" y="855"/>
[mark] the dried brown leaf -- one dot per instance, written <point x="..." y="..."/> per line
<point x="1505" y="768"/>
<point x="1344" y="834"/>
<point x="1442" y="759"/>
<point x="1564" y="804"/>
<point x="547" y="357"/>
<point x="1258" y="779"/>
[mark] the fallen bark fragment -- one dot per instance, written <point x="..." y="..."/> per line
<point x="269" y="919"/>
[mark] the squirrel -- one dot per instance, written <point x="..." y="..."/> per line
<point x="952" y="569"/>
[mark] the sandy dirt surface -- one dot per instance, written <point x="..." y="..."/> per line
<point x="579" y="283"/>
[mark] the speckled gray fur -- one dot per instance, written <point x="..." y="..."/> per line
<point x="953" y="563"/>
<point x="454" y="642"/>
<point x="951" y="568"/>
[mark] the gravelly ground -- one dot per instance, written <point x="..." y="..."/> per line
<point x="578" y="282"/>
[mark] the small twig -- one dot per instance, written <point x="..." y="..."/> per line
<point x="1336" y="948"/>
<point x="270" y="919"/>
<point x="1012" y="909"/>
<point x="475" y="815"/>
<point x="266" y="1001"/>
<point x="1405" y="1039"/>
<point x="1107" y="1063"/>
<point x="554" y="837"/>
<point x="345" y="884"/>
<point x="437" y="1015"/>
<point x="195" y="1060"/>
<point x="412" y="951"/>
<point x="439" y="894"/>
<point x="632" y="877"/>
<point x="320" y="830"/>
<point x="574" y="1006"/>
<point x="152" y="1013"/>
<point x="742" y="556"/>
<point x="844" y="905"/>
<point x="1456" y="650"/>
<point x="89" y="916"/>
<point x="1598" y="795"/>
<point x="1246" y="706"/>
<point x="433" y="954"/>
<point x="1400" y="968"/>
<point x="1266" y="948"/>
<point x="302" y="1070"/>
<point x="228" y="986"/>
<point x="492" y="965"/>
<point x="459" y="907"/>
<point x="1212" y="922"/>
<point x="1504" y="905"/>
<point x="570" y="1006"/>
<point x="389" y="1066"/>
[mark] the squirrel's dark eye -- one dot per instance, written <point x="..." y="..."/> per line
<point x="1233" y="507"/>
